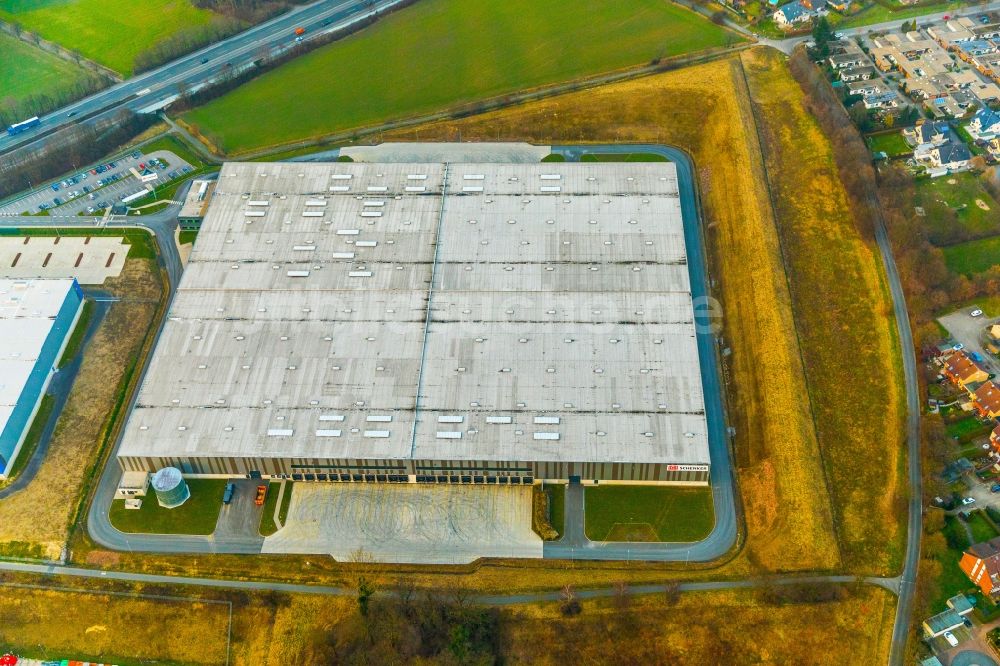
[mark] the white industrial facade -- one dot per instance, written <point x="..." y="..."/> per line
<point x="36" y="319"/>
<point x="470" y="323"/>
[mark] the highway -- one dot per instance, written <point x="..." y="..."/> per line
<point x="155" y="88"/>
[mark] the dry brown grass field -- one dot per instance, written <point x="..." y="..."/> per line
<point x="844" y="318"/>
<point x="731" y="627"/>
<point x="112" y="628"/>
<point x="36" y="520"/>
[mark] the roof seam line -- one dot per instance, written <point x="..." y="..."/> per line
<point x="429" y="311"/>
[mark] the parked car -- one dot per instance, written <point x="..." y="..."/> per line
<point x="55" y="187"/>
<point x="976" y="313"/>
<point x="968" y="500"/>
<point x="57" y="201"/>
<point x="950" y="637"/>
<point x="91" y="209"/>
<point x="995" y="488"/>
<point x="227" y="496"/>
<point x="261" y="495"/>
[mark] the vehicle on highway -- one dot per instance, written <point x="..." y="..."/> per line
<point x="298" y="39"/>
<point x="204" y="60"/>
<point x="23" y="126"/>
<point x="261" y="495"/>
<point x="327" y="21"/>
<point x="300" y="31"/>
<point x="227" y="496"/>
<point x="950" y="637"/>
<point x="968" y="500"/>
<point x="976" y="313"/>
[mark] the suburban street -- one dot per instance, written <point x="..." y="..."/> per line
<point x="154" y="89"/>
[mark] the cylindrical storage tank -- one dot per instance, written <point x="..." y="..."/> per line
<point x="170" y="488"/>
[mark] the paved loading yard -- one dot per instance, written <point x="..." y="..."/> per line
<point x="446" y="524"/>
<point x="90" y="259"/>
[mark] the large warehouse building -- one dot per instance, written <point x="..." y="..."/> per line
<point x="36" y="319"/>
<point x="435" y="323"/>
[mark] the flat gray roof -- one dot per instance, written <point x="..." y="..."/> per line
<point x="559" y="326"/>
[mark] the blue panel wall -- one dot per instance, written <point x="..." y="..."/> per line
<point x="21" y="416"/>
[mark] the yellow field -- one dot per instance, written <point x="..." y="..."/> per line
<point x="111" y="628"/>
<point x="844" y="318"/>
<point x="38" y="517"/>
<point x="731" y="627"/>
<point x="702" y="110"/>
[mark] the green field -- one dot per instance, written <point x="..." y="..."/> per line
<point x="648" y="513"/>
<point x="974" y="256"/>
<point x="110" y="32"/>
<point x="441" y="53"/>
<point x="196" y="516"/>
<point x="623" y="157"/>
<point x="950" y="208"/>
<point x="981" y="528"/>
<point x="26" y="70"/>
<point x="879" y="13"/>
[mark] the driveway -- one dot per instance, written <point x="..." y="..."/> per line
<point x="426" y="524"/>
<point x="239" y="521"/>
<point x="967" y="330"/>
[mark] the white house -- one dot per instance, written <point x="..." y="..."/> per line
<point x="985" y="124"/>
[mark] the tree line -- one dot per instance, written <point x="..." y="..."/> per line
<point x="39" y="103"/>
<point x="70" y="148"/>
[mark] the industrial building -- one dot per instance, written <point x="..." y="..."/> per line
<point x="431" y="323"/>
<point x="36" y="320"/>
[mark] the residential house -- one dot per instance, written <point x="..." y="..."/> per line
<point x="872" y="87"/>
<point x="927" y="132"/>
<point x="948" y="157"/>
<point x="857" y="73"/>
<point x="839" y="5"/>
<point x="985" y="124"/>
<point x="976" y="47"/>
<point x="981" y="563"/>
<point x="993" y="148"/>
<point x="848" y="60"/>
<point x="986" y="400"/>
<point x="961" y="370"/>
<point x="995" y="439"/>
<point x="952" y="33"/>
<point x="800" y="11"/>
<point x="883" y="100"/>
<point x="942" y="622"/>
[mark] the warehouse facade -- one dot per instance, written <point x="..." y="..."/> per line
<point x="431" y="323"/>
<point x="36" y="320"/>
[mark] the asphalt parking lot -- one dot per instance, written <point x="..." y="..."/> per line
<point x="968" y="330"/>
<point x="109" y="193"/>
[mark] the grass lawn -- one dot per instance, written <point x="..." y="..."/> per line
<point x="981" y="528"/>
<point x="267" y="524"/>
<point x="648" y="513"/>
<point x="966" y="428"/>
<point x="196" y="516"/>
<point x="188" y="236"/>
<point x="111" y="32"/>
<point x="952" y="579"/>
<point x="891" y="144"/>
<point x="623" y="157"/>
<point x="557" y="507"/>
<point x="27" y="70"/>
<point x="974" y="256"/>
<point x="958" y="192"/>
<point x="441" y="53"/>
<point x="878" y="13"/>
<point x="176" y="146"/>
<point x="79" y="331"/>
